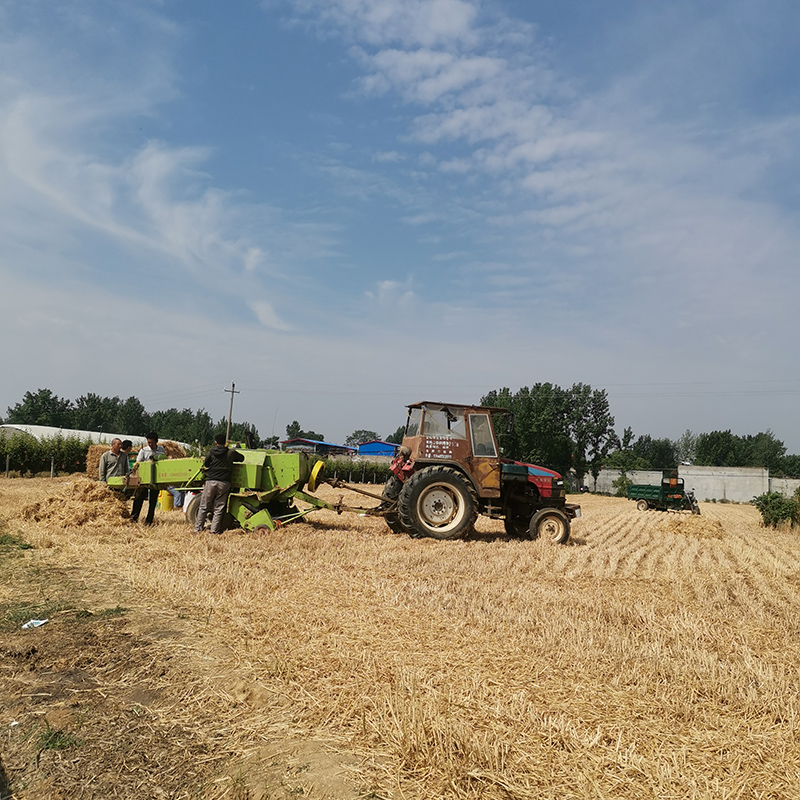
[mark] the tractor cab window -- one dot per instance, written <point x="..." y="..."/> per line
<point x="443" y="421"/>
<point x="414" y="418"/>
<point x="481" y="431"/>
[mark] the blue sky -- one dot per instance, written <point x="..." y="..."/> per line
<point x="348" y="205"/>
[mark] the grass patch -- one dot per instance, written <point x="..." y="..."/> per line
<point x="14" y="615"/>
<point x="53" y="739"/>
<point x="106" y="613"/>
<point x="10" y="542"/>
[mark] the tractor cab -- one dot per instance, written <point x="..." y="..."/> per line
<point x="459" y="435"/>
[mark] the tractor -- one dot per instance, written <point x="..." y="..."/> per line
<point x="449" y="469"/>
<point x="669" y="495"/>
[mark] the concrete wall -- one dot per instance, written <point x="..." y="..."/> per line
<point x="734" y="484"/>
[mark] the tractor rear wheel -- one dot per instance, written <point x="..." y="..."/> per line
<point x="390" y="493"/>
<point x="438" y="502"/>
<point x="550" y="523"/>
<point x="516" y="527"/>
<point x="642" y="505"/>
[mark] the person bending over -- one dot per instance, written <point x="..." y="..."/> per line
<point x="214" y="499"/>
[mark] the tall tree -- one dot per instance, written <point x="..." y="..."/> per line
<point x="541" y="431"/>
<point x="686" y="447"/>
<point x="42" y="408"/>
<point x="360" y="437"/>
<point x="718" y="449"/>
<point x="763" y="450"/>
<point x="95" y="413"/>
<point x="397" y="436"/>
<point x="591" y="426"/>
<point x="294" y="431"/>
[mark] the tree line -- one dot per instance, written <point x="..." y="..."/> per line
<point x="569" y="430"/>
<point x="573" y="429"/>
<point x="91" y="412"/>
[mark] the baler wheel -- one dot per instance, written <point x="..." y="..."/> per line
<point x="192" y="509"/>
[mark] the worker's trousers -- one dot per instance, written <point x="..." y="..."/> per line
<point x="214" y="499"/>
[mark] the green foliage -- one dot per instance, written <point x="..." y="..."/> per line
<point x="28" y="455"/>
<point x="41" y="408"/>
<point x="345" y="469"/>
<point x="294" y="431"/>
<point x="559" y="428"/>
<point x="642" y="453"/>
<point x="621" y="485"/>
<point x="52" y="739"/>
<point x="776" y="508"/>
<point x="686" y="447"/>
<point x="789" y="467"/>
<point x="91" y="412"/>
<point x="397" y="436"/>
<point x="360" y="437"/>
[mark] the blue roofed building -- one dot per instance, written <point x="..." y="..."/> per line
<point x="378" y="448"/>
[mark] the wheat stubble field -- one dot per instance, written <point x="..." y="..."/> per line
<point x="655" y="656"/>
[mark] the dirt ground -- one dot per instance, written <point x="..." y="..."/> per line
<point x="110" y="699"/>
<point x="654" y="656"/>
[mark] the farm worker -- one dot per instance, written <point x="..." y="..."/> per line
<point x="113" y="463"/>
<point x="127" y="446"/>
<point x="219" y="467"/>
<point x="152" y="451"/>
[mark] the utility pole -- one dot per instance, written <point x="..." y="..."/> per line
<point x="232" y="391"/>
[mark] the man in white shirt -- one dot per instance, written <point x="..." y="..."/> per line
<point x="152" y="451"/>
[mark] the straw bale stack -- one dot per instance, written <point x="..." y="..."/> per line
<point x="173" y="449"/>
<point x="692" y="526"/>
<point x="93" y="455"/>
<point x="79" y="503"/>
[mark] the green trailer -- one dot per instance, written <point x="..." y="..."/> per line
<point x="264" y="487"/>
<point x="669" y="495"/>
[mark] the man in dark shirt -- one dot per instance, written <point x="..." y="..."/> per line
<point x="219" y="466"/>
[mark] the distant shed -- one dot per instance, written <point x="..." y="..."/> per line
<point x="378" y="448"/>
<point x="320" y="448"/>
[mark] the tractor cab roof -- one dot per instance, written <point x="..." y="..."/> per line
<point x="437" y="406"/>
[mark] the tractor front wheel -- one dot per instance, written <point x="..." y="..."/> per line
<point x="516" y="527"/>
<point x="550" y="523"/>
<point x="438" y="502"/>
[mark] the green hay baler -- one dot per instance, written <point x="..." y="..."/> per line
<point x="264" y="487"/>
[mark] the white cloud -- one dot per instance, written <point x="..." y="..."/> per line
<point x="380" y="22"/>
<point x="267" y="316"/>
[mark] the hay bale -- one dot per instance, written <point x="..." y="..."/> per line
<point x="691" y="525"/>
<point x="173" y="449"/>
<point x="79" y="503"/>
<point x="95" y="452"/>
<point x="93" y="456"/>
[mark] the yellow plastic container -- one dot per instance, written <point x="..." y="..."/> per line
<point x="165" y="500"/>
